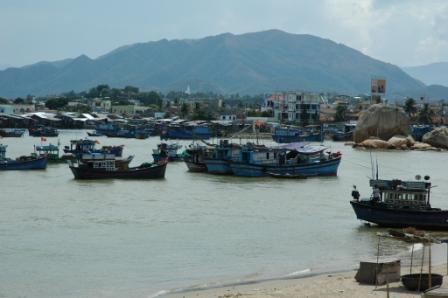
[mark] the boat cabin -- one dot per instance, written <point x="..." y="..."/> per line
<point x="404" y="194"/>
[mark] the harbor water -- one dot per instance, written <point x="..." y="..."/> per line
<point x="60" y="237"/>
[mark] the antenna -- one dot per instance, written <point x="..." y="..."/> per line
<point x="371" y="165"/>
<point x="376" y="167"/>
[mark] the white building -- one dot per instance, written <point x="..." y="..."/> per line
<point x="296" y="107"/>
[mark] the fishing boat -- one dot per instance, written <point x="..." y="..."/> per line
<point x="22" y="162"/>
<point x="194" y="156"/>
<point x="94" y="134"/>
<point x="50" y="151"/>
<point x="401" y="204"/>
<point x="105" y="166"/>
<point x="43" y="131"/>
<point x="419" y="130"/>
<point x="169" y="151"/>
<point x="344" y="134"/>
<point x="12" y="132"/>
<point x="79" y="147"/>
<point x="287" y="134"/>
<point x="218" y="160"/>
<point x="294" y="159"/>
<point x="185" y="132"/>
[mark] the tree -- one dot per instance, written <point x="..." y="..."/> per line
<point x="150" y="98"/>
<point x="184" y="110"/>
<point x="409" y="106"/>
<point x="56" y="103"/>
<point x="19" y="100"/>
<point x="3" y="101"/>
<point x="341" y="113"/>
<point x="425" y="115"/>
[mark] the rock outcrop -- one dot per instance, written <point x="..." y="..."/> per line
<point x="381" y="121"/>
<point x="437" y="137"/>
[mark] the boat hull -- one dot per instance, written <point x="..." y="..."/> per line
<point x="34" y="164"/>
<point x="153" y="172"/>
<point x="196" y="167"/>
<point x="326" y="168"/>
<point x="218" y="166"/>
<point x="377" y="213"/>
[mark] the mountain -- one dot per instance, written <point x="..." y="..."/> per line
<point x="250" y="63"/>
<point x="431" y="74"/>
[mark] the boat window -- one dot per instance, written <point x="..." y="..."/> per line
<point x="267" y="155"/>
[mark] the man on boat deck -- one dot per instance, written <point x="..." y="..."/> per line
<point x="376" y="194"/>
<point x="355" y="193"/>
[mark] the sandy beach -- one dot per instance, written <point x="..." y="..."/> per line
<point x="327" y="285"/>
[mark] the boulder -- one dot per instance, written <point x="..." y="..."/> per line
<point x="399" y="142"/>
<point x="437" y="137"/>
<point x="421" y="146"/>
<point x="381" y="121"/>
<point x="374" y="144"/>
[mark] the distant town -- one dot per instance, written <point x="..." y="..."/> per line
<point x="73" y="110"/>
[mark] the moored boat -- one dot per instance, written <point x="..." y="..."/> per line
<point x="400" y="204"/>
<point x="21" y="163"/>
<point x="12" y="132"/>
<point x="295" y="159"/>
<point x="82" y="146"/>
<point x="43" y="131"/>
<point x="169" y="151"/>
<point x="105" y="166"/>
<point x="194" y="156"/>
<point x="50" y="151"/>
<point x="218" y="160"/>
<point x="312" y="133"/>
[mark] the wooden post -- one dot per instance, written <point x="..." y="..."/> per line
<point x="377" y="261"/>
<point x="421" y="268"/>
<point x="412" y="258"/>
<point x="429" y="268"/>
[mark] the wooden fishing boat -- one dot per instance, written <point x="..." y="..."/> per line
<point x="194" y="156"/>
<point x="43" y="131"/>
<point x="107" y="167"/>
<point x="21" y="163"/>
<point x="169" y="151"/>
<point x="401" y="204"/>
<point x="12" y="132"/>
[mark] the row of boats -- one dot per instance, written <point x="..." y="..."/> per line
<point x="293" y="160"/>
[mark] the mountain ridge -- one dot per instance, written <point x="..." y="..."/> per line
<point x="249" y="63"/>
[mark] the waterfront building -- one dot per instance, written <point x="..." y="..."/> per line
<point x="296" y="107"/>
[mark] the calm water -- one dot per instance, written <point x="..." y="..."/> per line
<point x="65" y="238"/>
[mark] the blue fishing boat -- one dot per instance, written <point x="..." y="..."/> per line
<point x="82" y="146"/>
<point x="344" y="134"/>
<point x="43" y="131"/>
<point x="312" y="133"/>
<point x="181" y="132"/>
<point x="218" y="160"/>
<point x="419" y="130"/>
<point x="21" y="163"/>
<point x="50" y="151"/>
<point x="12" y="132"/>
<point x="169" y="151"/>
<point x="294" y="159"/>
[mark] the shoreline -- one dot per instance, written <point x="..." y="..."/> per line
<point x="338" y="284"/>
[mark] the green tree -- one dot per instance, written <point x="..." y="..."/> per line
<point x="341" y="113"/>
<point x="56" y="103"/>
<point x="409" y="106"/>
<point x="184" y="110"/>
<point x="150" y="98"/>
<point x="3" y="101"/>
<point x="19" y="100"/>
<point x="425" y="115"/>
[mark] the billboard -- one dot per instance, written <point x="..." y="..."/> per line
<point x="378" y="86"/>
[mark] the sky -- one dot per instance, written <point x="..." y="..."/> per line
<point x="402" y="32"/>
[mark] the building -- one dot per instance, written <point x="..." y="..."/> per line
<point x="296" y="107"/>
<point x="123" y="109"/>
<point x="17" y="109"/>
<point x="227" y="117"/>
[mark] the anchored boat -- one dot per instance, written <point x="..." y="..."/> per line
<point x="400" y="204"/>
<point x="22" y="162"/>
<point x="106" y="166"/>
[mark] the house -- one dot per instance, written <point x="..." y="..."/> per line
<point x="296" y="107"/>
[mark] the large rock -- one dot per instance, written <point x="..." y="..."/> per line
<point x="374" y="144"/>
<point x="381" y="121"/>
<point x="437" y="137"/>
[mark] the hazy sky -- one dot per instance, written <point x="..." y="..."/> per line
<point x="403" y="32"/>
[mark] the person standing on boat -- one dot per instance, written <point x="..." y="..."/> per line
<point x="355" y="193"/>
<point x="376" y="194"/>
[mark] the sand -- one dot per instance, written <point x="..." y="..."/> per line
<point x="328" y="285"/>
